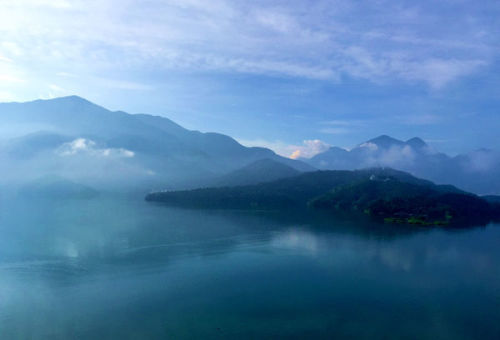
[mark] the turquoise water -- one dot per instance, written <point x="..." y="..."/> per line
<point x="118" y="268"/>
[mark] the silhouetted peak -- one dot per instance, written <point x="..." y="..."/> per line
<point x="385" y="141"/>
<point x="68" y="101"/>
<point x="416" y="143"/>
<point x="336" y="150"/>
<point x="73" y="98"/>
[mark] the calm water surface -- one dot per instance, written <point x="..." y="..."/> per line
<point x="118" y="268"/>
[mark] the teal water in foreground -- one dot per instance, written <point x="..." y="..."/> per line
<point x="118" y="268"/>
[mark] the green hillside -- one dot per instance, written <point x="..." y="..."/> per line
<point x="386" y="194"/>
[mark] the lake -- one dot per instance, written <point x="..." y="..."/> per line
<point x="121" y="268"/>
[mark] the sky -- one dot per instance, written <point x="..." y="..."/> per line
<point x="296" y="76"/>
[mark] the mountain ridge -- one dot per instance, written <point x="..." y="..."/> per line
<point x="131" y="149"/>
<point x="476" y="171"/>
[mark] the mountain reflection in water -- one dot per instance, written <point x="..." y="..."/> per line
<point x="113" y="267"/>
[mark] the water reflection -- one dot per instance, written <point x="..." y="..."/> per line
<point x="115" y="267"/>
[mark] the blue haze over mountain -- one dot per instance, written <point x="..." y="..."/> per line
<point x="477" y="171"/>
<point x="82" y="142"/>
<point x="76" y="139"/>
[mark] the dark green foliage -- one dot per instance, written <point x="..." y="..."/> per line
<point x="492" y="198"/>
<point x="280" y="194"/>
<point x="386" y="194"/>
<point x="397" y="201"/>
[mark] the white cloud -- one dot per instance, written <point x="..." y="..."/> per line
<point x="307" y="149"/>
<point x="83" y="146"/>
<point x="438" y="72"/>
<point x="380" y="66"/>
<point x="481" y="161"/>
<point x="369" y="146"/>
<point x="397" y="156"/>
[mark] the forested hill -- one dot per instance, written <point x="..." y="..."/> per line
<point x="384" y="193"/>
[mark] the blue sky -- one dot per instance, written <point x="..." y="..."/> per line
<point x="291" y="75"/>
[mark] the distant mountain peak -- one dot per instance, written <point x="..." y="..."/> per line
<point x="385" y="141"/>
<point x="336" y="148"/>
<point x="73" y="97"/>
<point x="416" y="142"/>
<point x="72" y="102"/>
<point x="67" y="99"/>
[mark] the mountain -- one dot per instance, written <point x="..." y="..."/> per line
<point x="402" y="202"/>
<point x="82" y="141"/>
<point x="477" y="171"/>
<point x="386" y="194"/>
<point x="385" y="142"/>
<point x="283" y="193"/>
<point x="381" y="151"/>
<point x="492" y="198"/>
<point x="417" y="143"/>
<point x="261" y="171"/>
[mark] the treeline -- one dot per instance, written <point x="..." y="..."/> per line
<point x="388" y="194"/>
